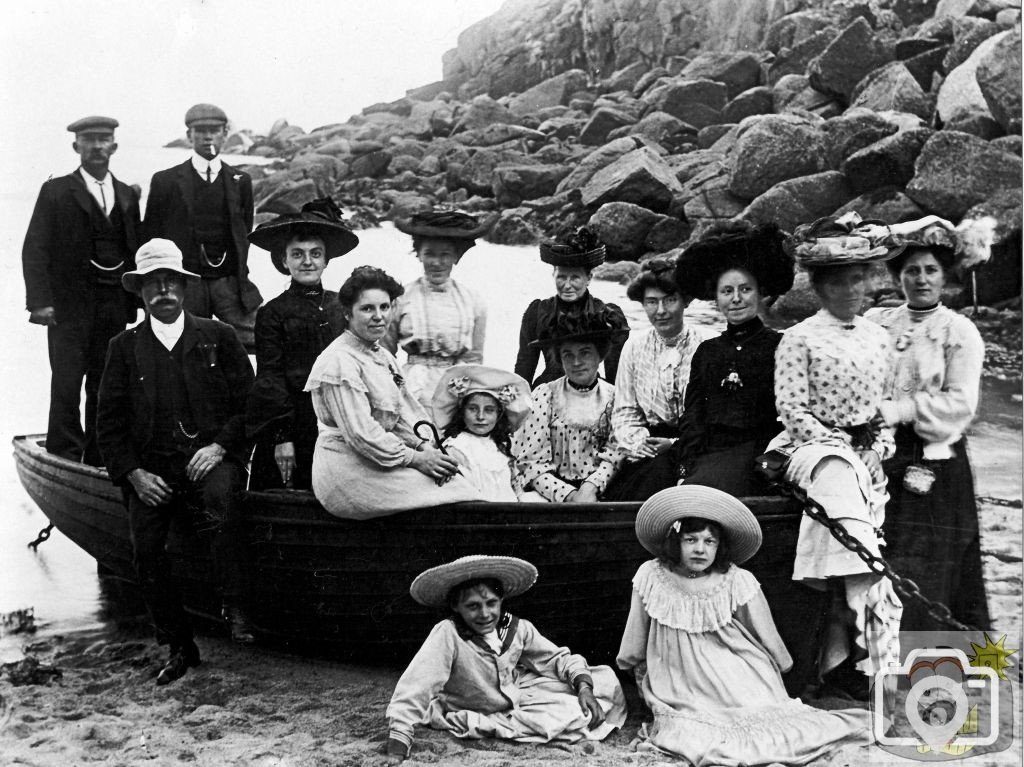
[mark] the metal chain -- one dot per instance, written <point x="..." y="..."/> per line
<point x="991" y="501"/>
<point x="905" y="587"/>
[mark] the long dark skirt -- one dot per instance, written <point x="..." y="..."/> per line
<point x="933" y="539"/>
<point x="639" y="480"/>
<point x="731" y="469"/>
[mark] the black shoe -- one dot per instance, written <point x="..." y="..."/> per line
<point x="178" y="662"/>
<point x="238" y="621"/>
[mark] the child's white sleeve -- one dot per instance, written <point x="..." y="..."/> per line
<point x="757" y="617"/>
<point x="548" y="659"/>
<point x="422" y="680"/>
<point x="633" y="648"/>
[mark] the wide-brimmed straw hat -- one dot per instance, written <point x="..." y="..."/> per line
<point x="321" y="215"/>
<point x="758" y="250"/>
<point x="842" y="241"/>
<point x="446" y="224"/>
<point x="600" y="327"/>
<point x="962" y="247"/>
<point x="664" y="508"/>
<point x="155" y="255"/>
<point x="459" y="381"/>
<point x="581" y="249"/>
<point x="431" y="587"/>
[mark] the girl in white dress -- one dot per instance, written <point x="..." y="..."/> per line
<point x="704" y="649"/>
<point x="478" y="408"/>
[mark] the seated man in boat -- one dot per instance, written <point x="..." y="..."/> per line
<point x="171" y="428"/>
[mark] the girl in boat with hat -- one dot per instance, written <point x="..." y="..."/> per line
<point x="291" y="331"/>
<point x="437" y="321"/>
<point x="478" y="409"/>
<point x="831" y="374"/>
<point x="573" y="260"/>
<point x="485" y="673"/>
<point x="368" y="461"/>
<point x="704" y="649"/>
<point x="565" y="451"/>
<point x="931" y="521"/>
<point x="653" y="373"/>
<point x="729" y="408"/>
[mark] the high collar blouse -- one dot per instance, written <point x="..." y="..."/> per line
<point x="938" y="363"/>
<point x="830" y="375"/>
<point x="650" y="384"/>
<point x="444" y="321"/>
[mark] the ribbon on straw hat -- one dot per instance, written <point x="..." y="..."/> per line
<point x="431" y="587"/>
<point x="846" y="240"/>
<point x="459" y="381"/>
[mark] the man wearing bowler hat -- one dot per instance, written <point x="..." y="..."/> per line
<point x="171" y="426"/>
<point x="82" y="237"/>
<point x="205" y="206"/>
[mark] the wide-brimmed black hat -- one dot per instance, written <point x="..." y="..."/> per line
<point x="758" y="250"/>
<point x="581" y="249"/>
<point x="446" y="224"/>
<point x="600" y="327"/>
<point x="321" y="215"/>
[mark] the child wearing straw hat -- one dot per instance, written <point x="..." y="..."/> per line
<point x="702" y="644"/>
<point x="484" y="673"/>
<point x="478" y="408"/>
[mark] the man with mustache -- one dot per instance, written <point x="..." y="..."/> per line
<point x="205" y="206"/>
<point x="82" y="237"/>
<point x="171" y="426"/>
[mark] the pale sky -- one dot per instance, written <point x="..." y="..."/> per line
<point x="145" y="62"/>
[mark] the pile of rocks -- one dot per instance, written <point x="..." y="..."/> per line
<point x="841" y="108"/>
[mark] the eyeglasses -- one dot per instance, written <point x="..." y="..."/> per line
<point x="669" y="302"/>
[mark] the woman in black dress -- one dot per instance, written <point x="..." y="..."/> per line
<point x="291" y="331"/>
<point x="573" y="260"/>
<point x="729" y="408"/>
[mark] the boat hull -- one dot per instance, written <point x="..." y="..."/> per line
<point x="338" y="586"/>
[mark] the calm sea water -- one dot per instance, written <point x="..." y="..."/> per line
<point x="59" y="581"/>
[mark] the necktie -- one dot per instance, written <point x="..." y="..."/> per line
<point x="103" y="197"/>
<point x="209" y="174"/>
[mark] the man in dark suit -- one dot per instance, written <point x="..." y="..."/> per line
<point x="205" y="206"/>
<point x="82" y="237"/>
<point x="171" y="426"/>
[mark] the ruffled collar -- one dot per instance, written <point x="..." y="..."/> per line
<point x="352" y="341"/>
<point x="671" y="604"/>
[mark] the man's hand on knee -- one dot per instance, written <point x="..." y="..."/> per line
<point x="205" y="460"/>
<point x="151" y="489"/>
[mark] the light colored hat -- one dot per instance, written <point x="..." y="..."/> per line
<point x="155" y="254"/>
<point x="459" y="381"/>
<point x="665" y="507"/>
<point x="431" y="587"/>
<point x="842" y="241"/>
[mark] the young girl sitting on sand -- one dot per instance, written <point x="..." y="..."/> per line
<point x="482" y="672"/>
<point x="478" y="408"/>
<point x="702" y="644"/>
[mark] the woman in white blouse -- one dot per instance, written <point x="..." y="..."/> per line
<point x="931" y="521"/>
<point x="438" y="322"/>
<point x="368" y="462"/>
<point x="565" y="451"/>
<point x="831" y="373"/>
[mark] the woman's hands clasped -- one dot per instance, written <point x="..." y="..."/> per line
<point x="433" y="463"/>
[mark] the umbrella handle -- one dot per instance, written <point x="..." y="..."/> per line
<point x="437" y="443"/>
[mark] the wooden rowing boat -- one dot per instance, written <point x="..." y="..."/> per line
<point x="339" y="586"/>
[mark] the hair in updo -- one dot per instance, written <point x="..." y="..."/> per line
<point x="365" y="278"/>
<point x="946" y="258"/>
<point x="655" y="273"/>
<point x="670" y="547"/>
<point x="458" y="591"/>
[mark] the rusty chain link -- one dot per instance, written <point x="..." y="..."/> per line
<point x="905" y="587"/>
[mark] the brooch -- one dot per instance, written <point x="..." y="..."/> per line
<point x="732" y="382"/>
<point x="904" y="341"/>
<point x="396" y="377"/>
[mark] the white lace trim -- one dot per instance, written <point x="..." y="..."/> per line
<point x="666" y="602"/>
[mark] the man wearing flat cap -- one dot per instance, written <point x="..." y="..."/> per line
<point x="82" y="237"/>
<point x="205" y="206"/>
<point x="171" y="427"/>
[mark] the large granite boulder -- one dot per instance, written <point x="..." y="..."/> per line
<point x="774" y="148"/>
<point x="887" y="162"/>
<point x="624" y="79"/>
<point x="481" y="112"/>
<point x="794" y="60"/>
<point x="794" y="93"/>
<point x="707" y="197"/>
<point x="596" y="160"/>
<point x="793" y="28"/>
<point x="892" y="87"/>
<point x="688" y="165"/>
<point x="968" y="33"/>
<point x="476" y="174"/>
<point x="926" y="67"/>
<point x="737" y="71"/>
<point x="696" y="102"/>
<point x="960" y="93"/>
<point x="498" y="133"/>
<point x="640" y="177"/>
<point x="999" y="79"/>
<point x="887" y="204"/>
<point x="753" y="101"/>
<point x="662" y="128"/>
<point x="854" y="52"/>
<point x="371" y="165"/>
<point x="957" y="170"/>
<point x="514" y="183"/>
<point x="851" y="131"/>
<point x="623" y="227"/>
<point x="551" y="92"/>
<point x="602" y="122"/>
<point x="799" y="200"/>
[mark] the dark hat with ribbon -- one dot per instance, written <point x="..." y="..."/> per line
<point x="736" y="245"/>
<point x="94" y="124"/>
<point x="320" y="217"/>
<point x="205" y="114"/>
<point x="600" y="328"/>
<point x="581" y="249"/>
<point x="446" y="224"/>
